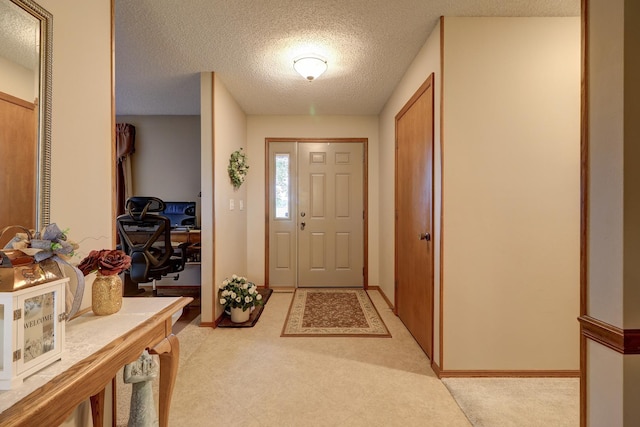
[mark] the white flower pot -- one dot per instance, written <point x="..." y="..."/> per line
<point x="239" y="316"/>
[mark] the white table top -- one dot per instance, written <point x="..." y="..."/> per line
<point x="86" y="335"/>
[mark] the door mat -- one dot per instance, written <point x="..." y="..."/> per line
<point x="333" y="313"/>
<point x="226" y="322"/>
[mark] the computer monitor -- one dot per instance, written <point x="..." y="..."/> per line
<point x="181" y="214"/>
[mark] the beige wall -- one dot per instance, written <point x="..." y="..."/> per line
<point x="606" y="128"/>
<point x="427" y="61"/>
<point x="230" y="226"/>
<point x="81" y="186"/>
<point x="261" y="127"/>
<point x="511" y="194"/>
<point x="613" y="379"/>
<point x="631" y="162"/>
<point x="17" y="80"/>
<point x="166" y="163"/>
<point x="206" y="208"/>
<point x="81" y="167"/>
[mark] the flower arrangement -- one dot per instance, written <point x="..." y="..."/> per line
<point x="107" y="262"/>
<point x="51" y="241"/>
<point x="238" y="168"/>
<point x="239" y="293"/>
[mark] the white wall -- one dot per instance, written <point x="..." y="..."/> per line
<point x="511" y="195"/>
<point x="166" y="163"/>
<point x="261" y="127"/>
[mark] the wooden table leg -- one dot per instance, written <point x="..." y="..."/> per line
<point x="97" y="409"/>
<point x="169" y="352"/>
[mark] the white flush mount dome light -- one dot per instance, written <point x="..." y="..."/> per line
<point x="310" y="67"/>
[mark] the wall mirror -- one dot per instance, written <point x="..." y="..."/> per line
<point x="25" y="113"/>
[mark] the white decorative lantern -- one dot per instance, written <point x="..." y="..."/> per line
<point x="32" y="328"/>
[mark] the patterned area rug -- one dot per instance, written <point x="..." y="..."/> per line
<point x="333" y="313"/>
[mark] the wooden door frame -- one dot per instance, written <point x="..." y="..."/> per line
<point x="429" y="82"/>
<point x="365" y="198"/>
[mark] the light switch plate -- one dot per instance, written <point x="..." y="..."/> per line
<point x="241" y="204"/>
<point x="232" y="204"/>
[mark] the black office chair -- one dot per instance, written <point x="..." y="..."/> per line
<point x="145" y="235"/>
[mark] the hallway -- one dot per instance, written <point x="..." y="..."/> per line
<point x="254" y="377"/>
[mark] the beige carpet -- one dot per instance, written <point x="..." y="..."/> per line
<point x="253" y="377"/>
<point x="333" y="312"/>
<point x="190" y="337"/>
<point x="518" y="402"/>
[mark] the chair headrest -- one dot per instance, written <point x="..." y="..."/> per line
<point x="142" y="205"/>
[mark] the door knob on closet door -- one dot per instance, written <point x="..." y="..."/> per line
<point x="425" y="236"/>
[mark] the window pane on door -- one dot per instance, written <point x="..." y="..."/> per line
<point x="282" y="186"/>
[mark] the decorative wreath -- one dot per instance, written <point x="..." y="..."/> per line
<point x="238" y="168"/>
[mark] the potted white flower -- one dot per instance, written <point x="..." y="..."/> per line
<point x="239" y="296"/>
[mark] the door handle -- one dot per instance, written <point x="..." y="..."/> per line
<point x="425" y="236"/>
<point x="302" y="225"/>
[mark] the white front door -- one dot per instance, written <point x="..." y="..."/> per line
<point x="316" y="221"/>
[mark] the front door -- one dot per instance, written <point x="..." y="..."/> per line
<point x="414" y="216"/>
<point x="316" y="221"/>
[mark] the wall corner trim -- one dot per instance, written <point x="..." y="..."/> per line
<point x="454" y="373"/>
<point x="624" y="341"/>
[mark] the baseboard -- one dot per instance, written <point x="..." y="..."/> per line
<point x="384" y="297"/>
<point x="506" y="373"/>
<point x="179" y="287"/>
<point x="213" y="324"/>
<point x="436" y="369"/>
<point x="283" y="289"/>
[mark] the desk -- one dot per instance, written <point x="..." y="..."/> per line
<point x="193" y="238"/>
<point x="189" y="279"/>
<point x="96" y="347"/>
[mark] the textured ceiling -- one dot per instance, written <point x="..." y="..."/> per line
<point x="19" y="36"/>
<point x="163" y="45"/>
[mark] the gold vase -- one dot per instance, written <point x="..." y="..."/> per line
<point x="106" y="297"/>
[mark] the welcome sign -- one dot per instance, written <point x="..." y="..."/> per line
<point x="39" y="326"/>
<point x="33" y="329"/>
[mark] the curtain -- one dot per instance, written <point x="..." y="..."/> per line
<point x="125" y="146"/>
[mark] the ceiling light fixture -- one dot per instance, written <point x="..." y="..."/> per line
<point x="310" y="67"/>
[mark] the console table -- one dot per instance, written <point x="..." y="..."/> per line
<point x="96" y="347"/>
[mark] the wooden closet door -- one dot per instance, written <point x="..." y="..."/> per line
<point x="18" y="157"/>
<point x="414" y="216"/>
